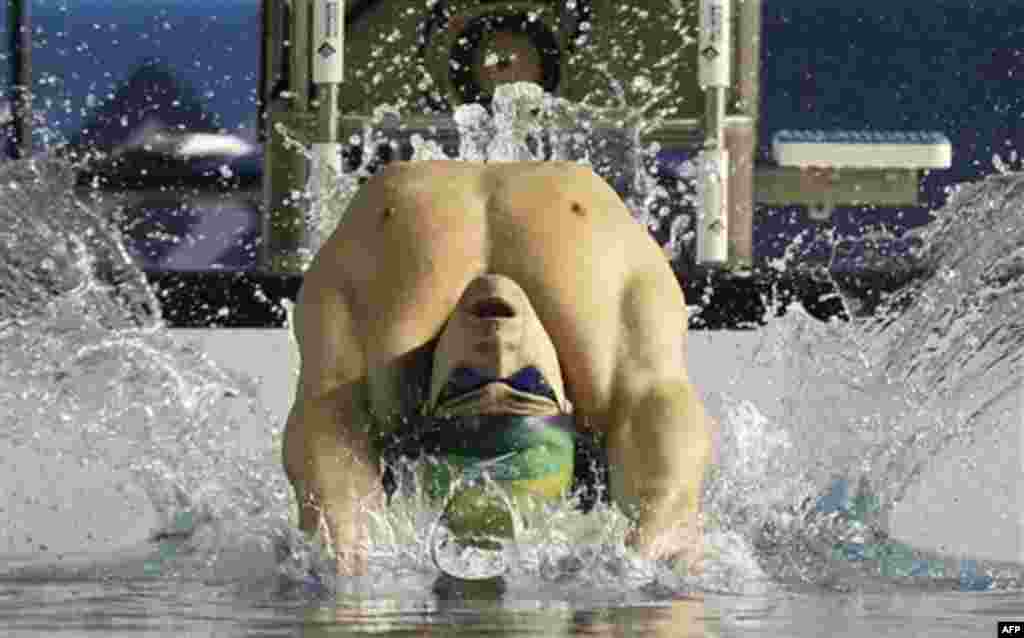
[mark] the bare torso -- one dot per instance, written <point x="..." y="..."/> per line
<point x="414" y="237"/>
<point x="414" y="241"/>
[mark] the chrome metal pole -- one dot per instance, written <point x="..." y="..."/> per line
<point x="328" y="73"/>
<point x="714" y="51"/>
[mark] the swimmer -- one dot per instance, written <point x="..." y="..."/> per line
<point x="522" y="291"/>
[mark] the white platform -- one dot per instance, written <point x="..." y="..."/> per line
<point x="862" y="149"/>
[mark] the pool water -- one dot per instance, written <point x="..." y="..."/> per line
<point x="141" y="608"/>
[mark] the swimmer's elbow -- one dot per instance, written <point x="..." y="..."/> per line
<point x="668" y="420"/>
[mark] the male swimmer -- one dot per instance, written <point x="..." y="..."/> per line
<point x="543" y="307"/>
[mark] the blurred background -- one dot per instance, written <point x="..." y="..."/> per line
<point x="109" y="77"/>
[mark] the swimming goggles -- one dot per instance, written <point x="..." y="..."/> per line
<point x="465" y="380"/>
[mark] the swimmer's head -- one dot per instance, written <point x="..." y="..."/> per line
<point x="495" y="333"/>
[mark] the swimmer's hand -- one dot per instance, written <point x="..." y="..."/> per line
<point x="679" y="543"/>
<point x="340" y="529"/>
<point x="342" y="524"/>
<point x="349" y="547"/>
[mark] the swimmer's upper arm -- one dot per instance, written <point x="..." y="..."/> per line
<point x="659" y="439"/>
<point x="654" y="322"/>
<point x="327" y="452"/>
<point x="329" y="347"/>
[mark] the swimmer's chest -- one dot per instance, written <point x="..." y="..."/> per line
<point x="481" y="215"/>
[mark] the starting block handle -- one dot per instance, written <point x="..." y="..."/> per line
<point x="911" y="150"/>
<point x="714" y="55"/>
<point x="713" y="218"/>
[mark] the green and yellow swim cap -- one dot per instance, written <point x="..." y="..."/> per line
<point x="478" y="466"/>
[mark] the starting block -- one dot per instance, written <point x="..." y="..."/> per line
<point x="825" y="169"/>
<point x="877" y="150"/>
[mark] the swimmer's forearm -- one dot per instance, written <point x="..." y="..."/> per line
<point x="335" y="476"/>
<point x="348" y="480"/>
<point x="658" y="458"/>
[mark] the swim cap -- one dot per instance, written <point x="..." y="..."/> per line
<point x="477" y="466"/>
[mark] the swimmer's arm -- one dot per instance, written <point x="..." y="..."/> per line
<point x="329" y="459"/>
<point x="658" y="453"/>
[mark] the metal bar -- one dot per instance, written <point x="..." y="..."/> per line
<point x="300" y="78"/>
<point x="741" y="133"/>
<point x="785" y="186"/>
<point x="714" y="118"/>
<point x="19" y="14"/>
<point x="740" y="142"/>
<point x="327" y="48"/>
<point x="748" y="58"/>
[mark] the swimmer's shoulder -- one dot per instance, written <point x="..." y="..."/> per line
<point x="553" y="184"/>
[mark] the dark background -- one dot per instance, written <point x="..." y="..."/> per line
<point x="953" y="66"/>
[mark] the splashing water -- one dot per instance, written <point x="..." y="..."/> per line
<point x="527" y="124"/>
<point x="90" y="372"/>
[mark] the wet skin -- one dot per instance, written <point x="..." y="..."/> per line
<point x="507" y="264"/>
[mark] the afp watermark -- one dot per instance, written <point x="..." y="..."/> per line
<point x="1010" y="628"/>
